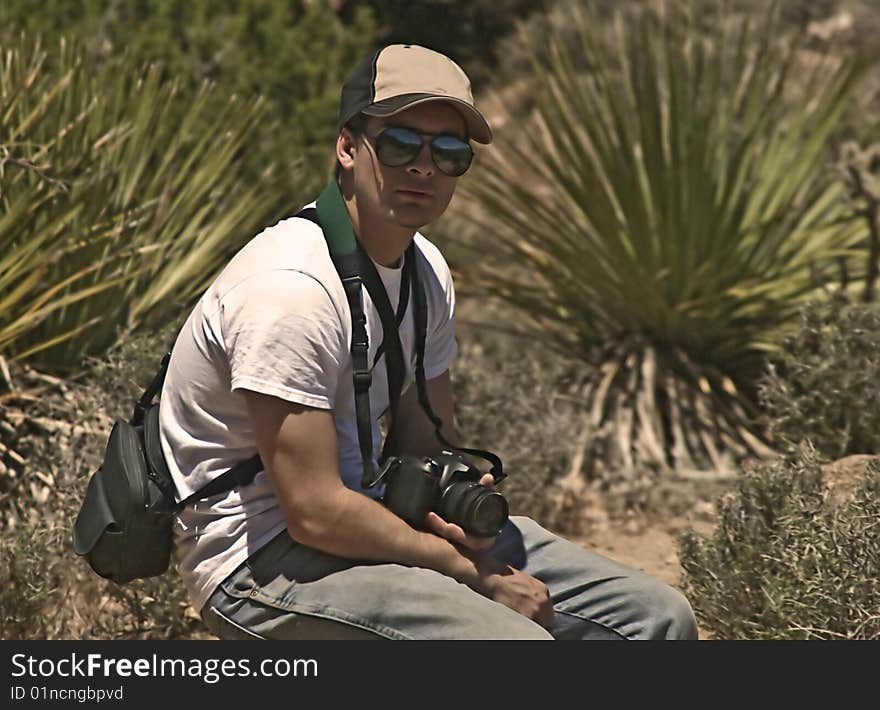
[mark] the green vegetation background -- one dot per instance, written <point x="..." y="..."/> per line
<point x="672" y="183"/>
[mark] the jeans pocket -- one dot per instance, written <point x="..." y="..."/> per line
<point x="240" y="583"/>
<point x="264" y="563"/>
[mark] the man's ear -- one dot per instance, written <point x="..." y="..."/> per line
<point x="345" y="149"/>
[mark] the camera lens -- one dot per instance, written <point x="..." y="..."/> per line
<point x="490" y="513"/>
<point x="474" y="507"/>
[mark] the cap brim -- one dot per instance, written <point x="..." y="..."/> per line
<point x="477" y="125"/>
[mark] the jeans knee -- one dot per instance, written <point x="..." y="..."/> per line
<point x="674" y="618"/>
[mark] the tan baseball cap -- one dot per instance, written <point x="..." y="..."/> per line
<point x="402" y="75"/>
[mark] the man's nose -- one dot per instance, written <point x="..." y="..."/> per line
<point x="423" y="163"/>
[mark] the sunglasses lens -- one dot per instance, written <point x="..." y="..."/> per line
<point x="398" y="146"/>
<point x="452" y="155"/>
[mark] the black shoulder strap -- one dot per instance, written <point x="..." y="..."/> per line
<point x="155" y="386"/>
<point x="239" y="475"/>
<point x="356" y="268"/>
<point x="348" y="266"/>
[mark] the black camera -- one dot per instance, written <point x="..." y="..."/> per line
<point x="449" y="486"/>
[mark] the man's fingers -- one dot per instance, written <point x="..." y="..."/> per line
<point x="546" y="616"/>
<point x="488" y="480"/>
<point x="479" y="544"/>
<point x="451" y="532"/>
<point x="435" y="524"/>
<point x="455" y="533"/>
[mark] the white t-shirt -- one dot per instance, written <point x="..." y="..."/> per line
<point x="276" y="321"/>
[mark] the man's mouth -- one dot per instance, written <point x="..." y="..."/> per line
<point x="415" y="193"/>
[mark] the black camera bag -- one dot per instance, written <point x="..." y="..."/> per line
<point x="124" y="526"/>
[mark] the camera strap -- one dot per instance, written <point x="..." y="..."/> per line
<point x="356" y="269"/>
<point x="391" y="346"/>
<point x="421" y="322"/>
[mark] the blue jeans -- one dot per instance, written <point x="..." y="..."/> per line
<point x="290" y="591"/>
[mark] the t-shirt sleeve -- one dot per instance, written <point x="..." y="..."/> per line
<point x="283" y="337"/>
<point x="440" y="342"/>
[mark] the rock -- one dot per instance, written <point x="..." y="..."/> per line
<point x="843" y="477"/>
<point x="827" y="28"/>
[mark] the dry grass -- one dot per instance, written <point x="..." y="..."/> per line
<point x="59" y="429"/>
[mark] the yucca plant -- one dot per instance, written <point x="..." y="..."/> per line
<point x="111" y="212"/>
<point x="38" y="215"/>
<point x="659" y="216"/>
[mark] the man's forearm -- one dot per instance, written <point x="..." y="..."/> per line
<point x="350" y="525"/>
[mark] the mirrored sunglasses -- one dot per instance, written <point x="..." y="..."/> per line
<point x="396" y="146"/>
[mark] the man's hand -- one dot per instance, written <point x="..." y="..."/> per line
<point x="516" y="590"/>
<point x="455" y="533"/>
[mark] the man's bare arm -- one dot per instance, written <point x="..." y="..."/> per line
<point x="299" y="449"/>
<point x="415" y="432"/>
<point x="416" y="435"/>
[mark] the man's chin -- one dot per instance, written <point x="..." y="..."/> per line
<point x="412" y="224"/>
<point x="412" y="218"/>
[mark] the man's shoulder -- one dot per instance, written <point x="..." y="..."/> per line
<point x="291" y="244"/>
<point x="431" y="253"/>
<point x="436" y="262"/>
<point x="292" y="237"/>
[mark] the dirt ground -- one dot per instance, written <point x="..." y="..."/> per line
<point x="647" y="545"/>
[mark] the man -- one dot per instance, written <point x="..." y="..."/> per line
<point x="263" y="364"/>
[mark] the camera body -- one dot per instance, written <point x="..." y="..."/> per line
<point x="449" y="486"/>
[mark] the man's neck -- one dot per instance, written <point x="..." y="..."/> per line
<point x="384" y="243"/>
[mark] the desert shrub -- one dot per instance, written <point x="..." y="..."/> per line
<point x="469" y="31"/>
<point x="785" y="562"/>
<point x="514" y="398"/>
<point x="826" y="377"/>
<point x="31" y="586"/>
<point x="46" y="591"/>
